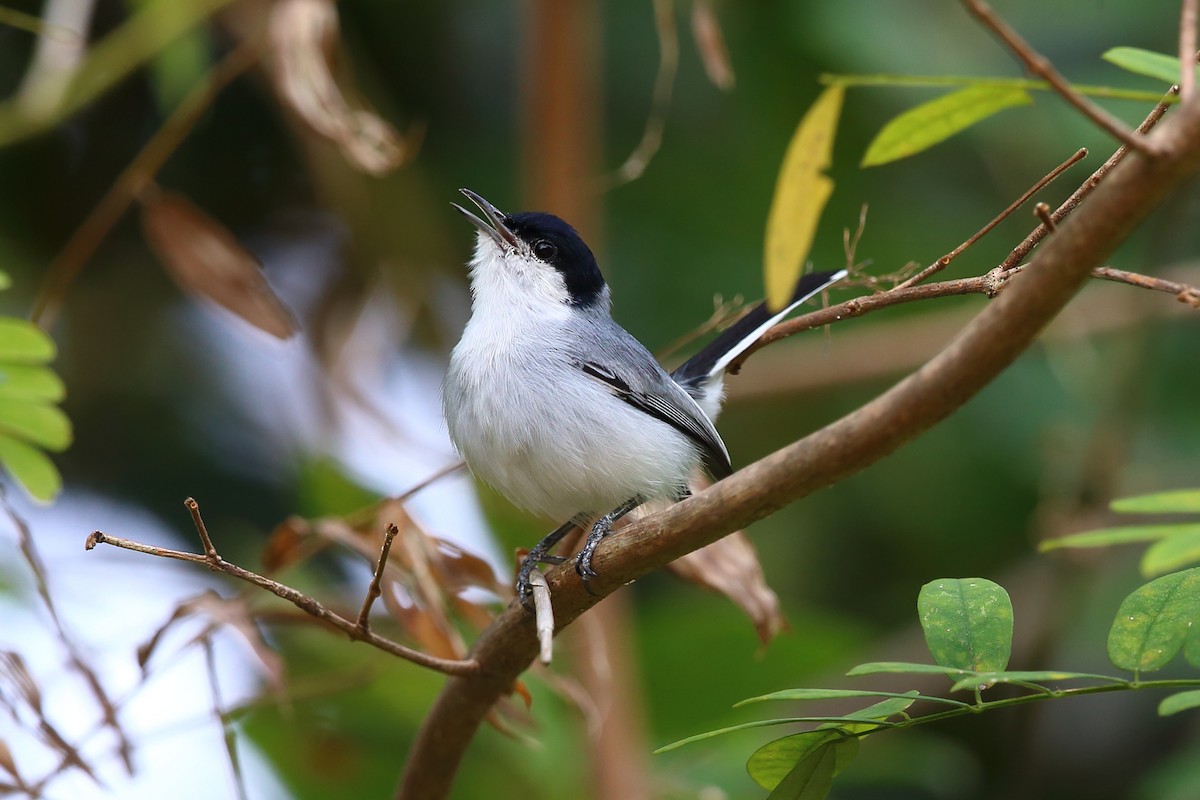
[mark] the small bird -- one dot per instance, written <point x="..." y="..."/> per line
<point x="562" y="410"/>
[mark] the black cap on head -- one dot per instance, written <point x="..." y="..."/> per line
<point x="559" y="245"/>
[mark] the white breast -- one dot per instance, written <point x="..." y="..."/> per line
<point x="568" y="449"/>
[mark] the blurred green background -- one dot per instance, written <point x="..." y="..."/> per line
<point x="1098" y="411"/>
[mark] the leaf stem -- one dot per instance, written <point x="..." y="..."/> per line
<point x="941" y="81"/>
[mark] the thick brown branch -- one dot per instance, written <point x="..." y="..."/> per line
<point x="1000" y="333"/>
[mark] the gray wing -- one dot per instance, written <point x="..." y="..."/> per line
<point x="629" y="371"/>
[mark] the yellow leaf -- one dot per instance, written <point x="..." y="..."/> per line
<point x="801" y="192"/>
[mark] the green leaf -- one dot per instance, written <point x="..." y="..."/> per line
<point x="885" y="708"/>
<point x="1145" y="62"/>
<point x="937" y="120"/>
<point x="811" y="779"/>
<point x="41" y="424"/>
<point x="31" y="468"/>
<point x="5" y="281"/>
<point x="801" y="191"/>
<point x="1180" y="701"/>
<point x="22" y="342"/>
<point x="1172" y="553"/>
<point x="29" y="382"/>
<point x="968" y="623"/>
<point x="761" y="723"/>
<point x="1155" y="622"/>
<point x="1124" y="534"/>
<point x="152" y="29"/>
<point x="1180" y="501"/>
<point x="905" y="667"/>
<point x="1028" y="676"/>
<point x="772" y="762"/>
<point x="820" y="694"/>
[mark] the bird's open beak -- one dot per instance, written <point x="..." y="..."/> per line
<point x="494" y="225"/>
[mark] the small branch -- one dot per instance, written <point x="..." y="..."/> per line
<point x="133" y="179"/>
<point x="1184" y="293"/>
<point x="1039" y="65"/>
<point x="33" y="560"/>
<point x="228" y="732"/>
<point x="1022" y="250"/>
<point x="945" y="260"/>
<point x="373" y="591"/>
<point x="295" y="597"/>
<point x="989" y="285"/>
<point x="664" y="84"/>
<point x="1187" y="50"/>
<point x="210" y="550"/>
<point x="1042" y="212"/>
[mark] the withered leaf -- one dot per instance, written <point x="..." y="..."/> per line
<point x="730" y="566"/>
<point x="424" y="581"/>
<point x="231" y="613"/>
<point x="710" y="42"/>
<point x="303" y="39"/>
<point x="7" y="762"/>
<point x="205" y="259"/>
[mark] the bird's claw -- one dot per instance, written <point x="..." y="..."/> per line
<point x="583" y="566"/>
<point x="525" y="582"/>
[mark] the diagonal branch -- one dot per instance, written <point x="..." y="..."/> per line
<point x="992" y="341"/>
<point x="1039" y="65"/>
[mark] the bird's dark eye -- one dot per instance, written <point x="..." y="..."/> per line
<point x="544" y="249"/>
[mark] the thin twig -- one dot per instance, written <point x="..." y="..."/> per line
<point x="944" y="261"/>
<point x="426" y="482"/>
<point x="1042" y="212"/>
<point x="210" y="550"/>
<point x="227" y="730"/>
<point x="850" y="242"/>
<point x="33" y="560"/>
<point x="297" y="598"/>
<point x="724" y="314"/>
<point x="373" y="591"/>
<point x="1184" y="293"/>
<point x="1031" y="241"/>
<point x="660" y="104"/>
<point x="133" y="180"/>
<point x="1039" y="65"/>
<point x="1187" y="50"/>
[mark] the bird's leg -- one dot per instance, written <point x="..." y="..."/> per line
<point x="603" y="526"/>
<point x="540" y="554"/>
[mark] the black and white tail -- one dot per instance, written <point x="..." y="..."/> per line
<point x="702" y="375"/>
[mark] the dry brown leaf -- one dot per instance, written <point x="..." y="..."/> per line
<point x="14" y="672"/>
<point x="16" y="675"/>
<point x="205" y="259"/>
<point x="303" y="39"/>
<point x="223" y="612"/>
<point x="710" y="42"/>
<point x="8" y="763"/>
<point x="423" y="582"/>
<point x="730" y="566"/>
